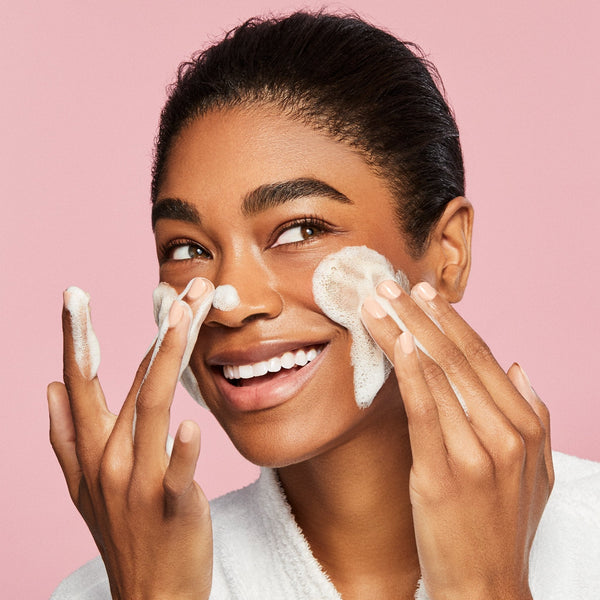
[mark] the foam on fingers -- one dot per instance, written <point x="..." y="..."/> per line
<point x="163" y="297"/>
<point x="85" y="343"/>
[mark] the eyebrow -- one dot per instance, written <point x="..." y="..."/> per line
<point x="174" y="208"/>
<point x="258" y="200"/>
<point x="273" y="194"/>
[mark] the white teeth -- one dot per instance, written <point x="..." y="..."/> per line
<point x="301" y="359"/>
<point x="246" y="371"/>
<point x="287" y="361"/>
<point x="274" y="365"/>
<point x="260" y="369"/>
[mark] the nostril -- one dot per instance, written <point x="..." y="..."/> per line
<point x="226" y="298"/>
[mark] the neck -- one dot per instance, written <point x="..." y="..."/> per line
<point x="352" y="504"/>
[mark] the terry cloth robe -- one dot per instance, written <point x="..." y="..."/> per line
<point x="261" y="554"/>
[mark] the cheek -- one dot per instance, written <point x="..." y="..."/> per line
<point x="178" y="275"/>
<point x="318" y="419"/>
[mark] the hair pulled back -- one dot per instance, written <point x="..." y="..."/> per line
<point x="347" y="78"/>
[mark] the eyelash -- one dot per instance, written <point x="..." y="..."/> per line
<point x="314" y="222"/>
<point x="167" y="248"/>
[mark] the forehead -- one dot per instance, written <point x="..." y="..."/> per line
<point x="226" y="153"/>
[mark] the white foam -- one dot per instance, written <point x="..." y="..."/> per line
<point x="85" y="343"/>
<point x="341" y="283"/>
<point x="226" y="298"/>
<point x="163" y="297"/>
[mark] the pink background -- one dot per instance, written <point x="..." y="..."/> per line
<point x="82" y="86"/>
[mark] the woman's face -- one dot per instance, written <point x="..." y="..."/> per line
<point x="253" y="199"/>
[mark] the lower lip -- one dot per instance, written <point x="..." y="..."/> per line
<point x="267" y="394"/>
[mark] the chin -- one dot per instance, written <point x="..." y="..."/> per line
<point x="298" y="430"/>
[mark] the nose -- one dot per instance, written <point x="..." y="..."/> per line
<point x="255" y="286"/>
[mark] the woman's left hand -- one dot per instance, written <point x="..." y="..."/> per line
<point x="478" y="483"/>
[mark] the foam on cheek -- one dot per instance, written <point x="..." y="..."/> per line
<point x="163" y="297"/>
<point x="341" y="283"/>
<point x="85" y="343"/>
<point x="226" y="298"/>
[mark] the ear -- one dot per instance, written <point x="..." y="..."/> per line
<point x="449" y="250"/>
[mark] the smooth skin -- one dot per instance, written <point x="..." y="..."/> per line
<point x="408" y="487"/>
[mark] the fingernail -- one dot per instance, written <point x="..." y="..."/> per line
<point x="425" y="290"/>
<point x="407" y="342"/>
<point x="526" y="377"/>
<point x="175" y="313"/>
<point x="186" y="432"/>
<point x="374" y="308"/>
<point x="197" y="289"/>
<point x="389" y="289"/>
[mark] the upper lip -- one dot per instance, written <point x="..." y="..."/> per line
<point x="257" y="352"/>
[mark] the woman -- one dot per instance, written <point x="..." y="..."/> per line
<point x="285" y="143"/>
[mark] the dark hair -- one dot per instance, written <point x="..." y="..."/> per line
<point x="343" y="76"/>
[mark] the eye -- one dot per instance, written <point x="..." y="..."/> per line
<point x="298" y="233"/>
<point x="187" y="252"/>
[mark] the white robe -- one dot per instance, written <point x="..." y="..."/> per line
<point x="261" y="554"/>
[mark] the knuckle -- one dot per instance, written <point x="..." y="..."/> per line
<point x="149" y="399"/>
<point x="476" y="350"/>
<point x="535" y="432"/>
<point x="172" y="487"/>
<point x="455" y="361"/>
<point x="112" y="473"/>
<point x="429" y="490"/>
<point x="476" y="466"/>
<point x="433" y="373"/>
<point x="513" y="447"/>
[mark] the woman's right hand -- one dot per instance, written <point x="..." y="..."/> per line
<point x="149" y="518"/>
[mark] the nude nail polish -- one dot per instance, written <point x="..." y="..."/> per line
<point x="407" y="342"/>
<point x="426" y="291"/>
<point x="389" y="289"/>
<point x="175" y="313"/>
<point x="197" y="289"/>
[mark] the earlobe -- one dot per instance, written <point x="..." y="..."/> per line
<point x="452" y="241"/>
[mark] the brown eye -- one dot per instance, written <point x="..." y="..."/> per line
<point x="187" y="252"/>
<point x="298" y="233"/>
<point x="306" y="232"/>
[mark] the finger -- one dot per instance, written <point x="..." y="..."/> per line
<point x="519" y="378"/>
<point x="179" y="476"/>
<point x="62" y="436"/>
<point x="155" y="395"/>
<point x="479" y="356"/>
<point x="81" y="356"/>
<point x="380" y="326"/>
<point x="459" y="437"/>
<point x="488" y="421"/>
<point x="199" y="296"/>
<point x="198" y="293"/>
<point x="118" y="456"/>
<point x="426" y="437"/>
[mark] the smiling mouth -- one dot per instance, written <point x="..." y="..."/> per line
<point x="272" y="368"/>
